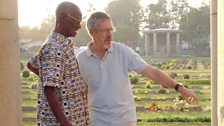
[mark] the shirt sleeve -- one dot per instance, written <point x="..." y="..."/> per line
<point x="52" y="67"/>
<point x="34" y="61"/>
<point x="135" y="61"/>
<point x="81" y="61"/>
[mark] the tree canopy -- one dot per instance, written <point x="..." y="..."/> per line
<point x="130" y="19"/>
<point x="126" y="16"/>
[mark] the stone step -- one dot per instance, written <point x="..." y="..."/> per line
<point x="28" y="109"/>
<point x="29" y="119"/>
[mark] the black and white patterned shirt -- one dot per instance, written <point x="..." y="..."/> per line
<point x="58" y="67"/>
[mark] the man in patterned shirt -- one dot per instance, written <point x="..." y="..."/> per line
<point x="62" y="94"/>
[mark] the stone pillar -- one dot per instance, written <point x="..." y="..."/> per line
<point x="154" y="44"/>
<point x="10" y="93"/>
<point x="168" y="43"/>
<point x="177" y="43"/>
<point x="147" y="44"/>
<point x="213" y="27"/>
<point x="220" y="61"/>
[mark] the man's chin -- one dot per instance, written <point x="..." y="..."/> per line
<point x="74" y="34"/>
<point x="108" y="42"/>
<point x="107" y="46"/>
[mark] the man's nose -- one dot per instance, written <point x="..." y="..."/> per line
<point x="79" y="25"/>
<point x="109" y="33"/>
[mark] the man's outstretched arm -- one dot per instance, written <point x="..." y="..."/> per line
<point x="161" y="78"/>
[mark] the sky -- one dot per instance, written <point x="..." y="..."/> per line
<point x="32" y="12"/>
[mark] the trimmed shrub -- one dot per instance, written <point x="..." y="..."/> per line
<point x="137" y="98"/>
<point x="34" y="86"/>
<point x="31" y="79"/>
<point x="158" y="65"/>
<point x="162" y="91"/>
<point x="148" y="85"/>
<point x="141" y="91"/>
<point x="134" y="80"/>
<point x="189" y="67"/>
<point x="26" y="74"/>
<point x="173" y="75"/>
<point x="186" y="76"/>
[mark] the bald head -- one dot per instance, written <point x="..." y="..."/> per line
<point x="66" y="8"/>
<point x="68" y="19"/>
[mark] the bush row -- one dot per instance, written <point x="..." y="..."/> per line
<point x="194" y="81"/>
<point x="176" y="119"/>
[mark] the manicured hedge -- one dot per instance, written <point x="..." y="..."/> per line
<point x="176" y="119"/>
<point x="194" y="81"/>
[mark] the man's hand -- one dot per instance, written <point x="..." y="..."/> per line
<point x="167" y="82"/>
<point x="188" y="95"/>
<point x="34" y="70"/>
<point x="68" y="124"/>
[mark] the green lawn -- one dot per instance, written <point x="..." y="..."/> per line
<point x="174" y="124"/>
<point x="203" y="90"/>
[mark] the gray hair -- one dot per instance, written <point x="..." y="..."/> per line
<point x="94" y="20"/>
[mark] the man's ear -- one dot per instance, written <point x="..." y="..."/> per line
<point x="63" y="18"/>
<point x="91" y="32"/>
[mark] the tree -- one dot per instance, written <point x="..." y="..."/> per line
<point x="166" y="14"/>
<point x="82" y="38"/>
<point x="24" y="32"/>
<point x="157" y="15"/>
<point x="178" y="10"/>
<point x="126" y="19"/>
<point x="196" y="29"/>
<point x="124" y="36"/>
<point x="30" y="33"/>
<point x="47" y="26"/>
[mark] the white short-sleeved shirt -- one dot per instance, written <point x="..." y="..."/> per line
<point x="110" y="95"/>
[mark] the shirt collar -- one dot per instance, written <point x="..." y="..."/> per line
<point x="90" y="53"/>
<point x="62" y="39"/>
